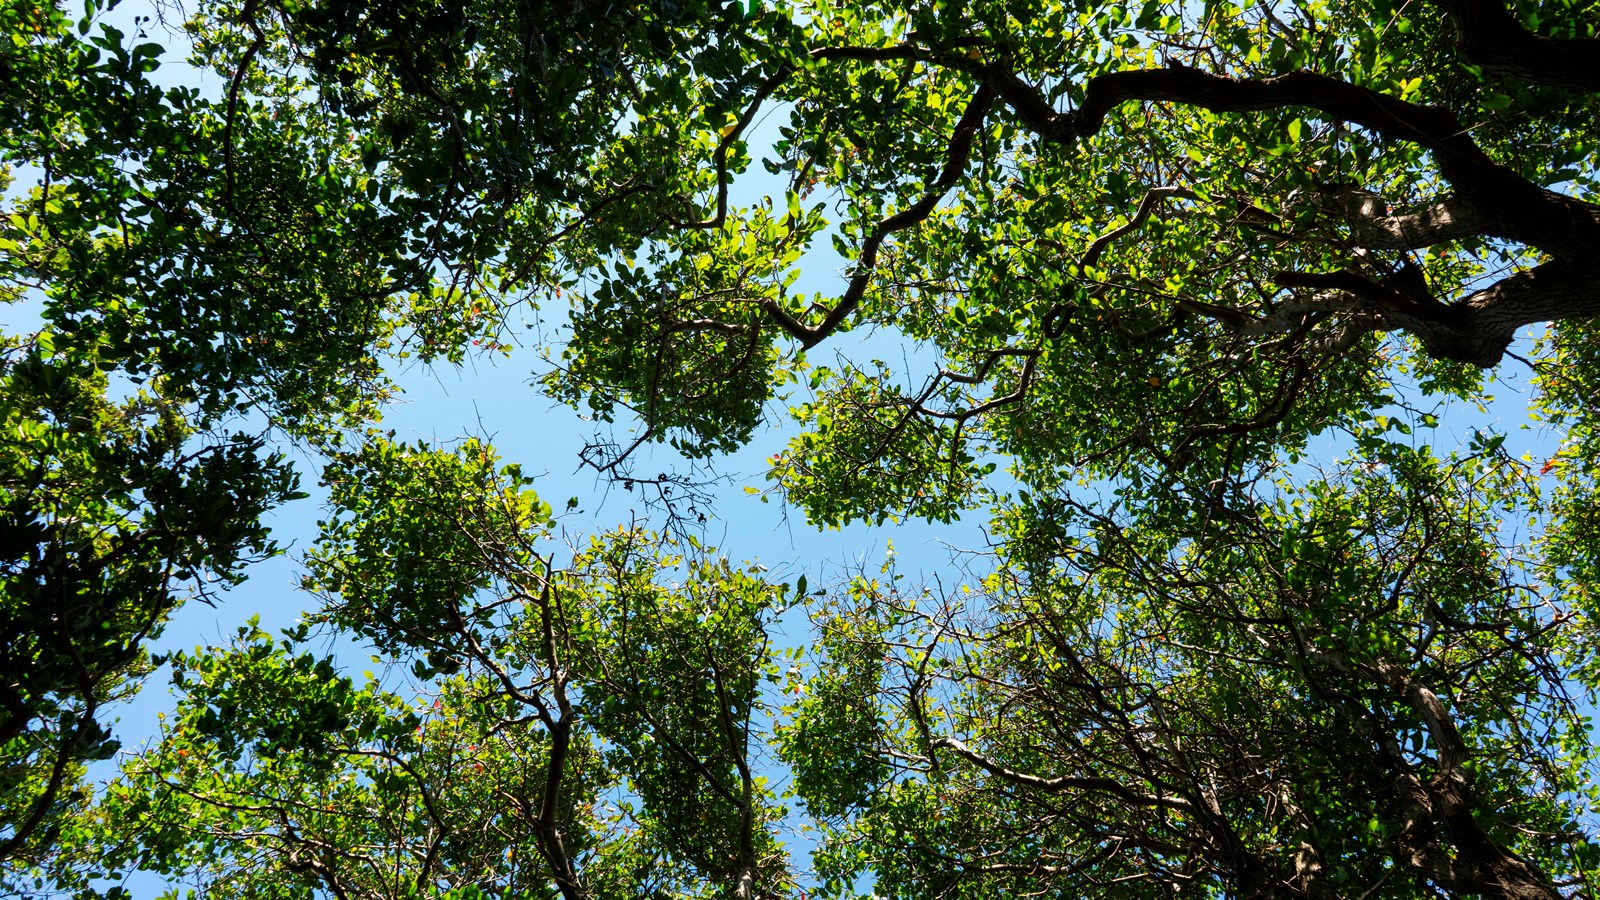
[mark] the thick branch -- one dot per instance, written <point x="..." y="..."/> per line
<point x="1388" y="295"/>
<point x="1509" y="205"/>
<point x="1482" y="865"/>
<point x="1432" y="127"/>
<point x="1373" y="227"/>
<point x="250" y="53"/>
<point x="1492" y="37"/>
<point x="1549" y="293"/>
<point x="1478" y="328"/>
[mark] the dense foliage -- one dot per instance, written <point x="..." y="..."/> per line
<point x="1185" y="292"/>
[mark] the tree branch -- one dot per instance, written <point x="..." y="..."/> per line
<point x="1147" y="205"/>
<point x="1478" y="328"/>
<point x="1373" y="227"/>
<point x="1059" y="784"/>
<point x="1489" y="200"/>
<point x="721" y="156"/>
<point x="956" y="157"/>
<point x="1491" y="37"/>
<point x="1509" y="205"/>
<point x="552" y="844"/>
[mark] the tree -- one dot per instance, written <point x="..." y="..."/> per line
<point x="177" y="297"/>
<point x="1350" y="691"/>
<point x="1198" y="276"/>
<point x="113" y="513"/>
<point x="589" y="734"/>
<point x="1027" y="191"/>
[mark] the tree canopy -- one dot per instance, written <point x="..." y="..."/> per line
<point x="1192" y="300"/>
